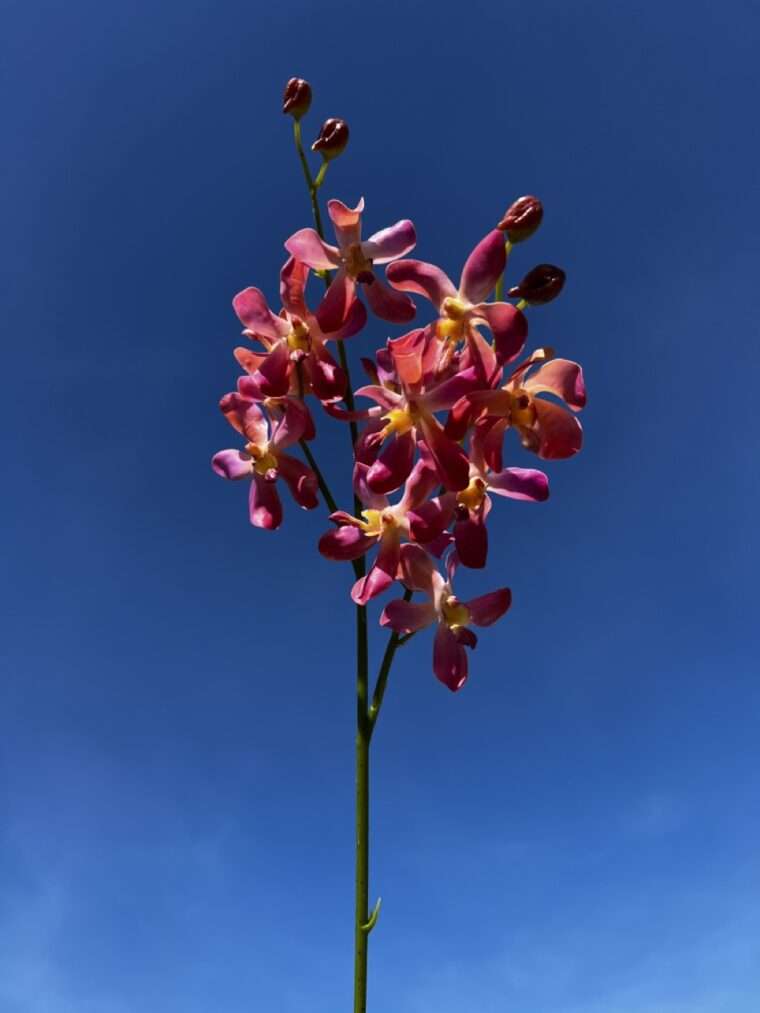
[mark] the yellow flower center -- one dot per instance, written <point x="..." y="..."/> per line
<point x="473" y="495"/>
<point x="376" y="520"/>
<point x="298" y="339"/>
<point x="355" y="262"/>
<point x="522" y="411"/>
<point x="400" y="420"/>
<point x="455" y="614"/>
<point x="263" y="457"/>
<point x="454" y="309"/>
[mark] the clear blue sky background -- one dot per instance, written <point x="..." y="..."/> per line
<point x="578" y="830"/>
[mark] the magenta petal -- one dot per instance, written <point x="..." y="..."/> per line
<point x="406" y="353"/>
<point x="345" y="543"/>
<point x="509" y="326"/>
<point x="393" y="466"/>
<point x="251" y="307"/>
<point x="306" y="246"/>
<point x="471" y="540"/>
<point x="428" y="520"/>
<point x="562" y="378"/>
<point x="423" y="279"/>
<point x="355" y="321"/>
<point x="407" y="616"/>
<point x="388" y="304"/>
<point x="559" y="432"/>
<point x="264" y="505"/>
<point x="446" y="394"/>
<point x="416" y="568"/>
<point x="332" y="313"/>
<point x="293" y="278"/>
<point x="520" y="483"/>
<point x="422" y="479"/>
<point x="291" y="425"/>
<point x="250" y="361"/>
<point x="301" y="481"/>
<point x="485" y="610"/>
<point x="451" y="461"/>
<point x="346" y="221"/>
<point x="390" y="243"/>
<point x="483" y="268"/>
<point x="328" y="381"/>
<point x="386" y="398"/>
<point x="233" y="464"/>
<point x="245" y="416"/>
<point x="273" y="375"/>
<point x="382" y="574"/>
<point x="449" y="658"/>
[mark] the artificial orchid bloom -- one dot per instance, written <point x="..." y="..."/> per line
<point x="296" y="359"/>
<point x="452" y="617"/>
<point x="544" y="427"/>
<point x="354" y="262"/>
<point x="407" y="407"/>
<point x="463" y="310"/>
<point x="414" y="517"/>
<point x="262" y="459"/>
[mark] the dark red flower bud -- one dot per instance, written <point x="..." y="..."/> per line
<point x="522" y="218"/>
<point x="540" y="285"/>
<point x="333" y="138"/>
<point x="297" y="98"/>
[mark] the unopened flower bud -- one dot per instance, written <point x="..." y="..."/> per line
<point x="522" y="218"/>
<point x="540" y="285"/>
<point x="333" y="138"/>
<point x="297" y="98"/>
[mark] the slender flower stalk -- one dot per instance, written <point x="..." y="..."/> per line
<point x="445" y="399"/>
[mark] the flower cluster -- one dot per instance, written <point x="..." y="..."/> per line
<point x="434" y="421"/>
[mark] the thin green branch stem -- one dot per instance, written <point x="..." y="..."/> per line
<point x="363" y="923"/>
<point x="394" y="642"/>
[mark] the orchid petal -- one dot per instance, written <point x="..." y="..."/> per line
<point x="509" y="326"/>
<point x="520" y="483"/>
<point x="483" y="268"/>
<point x="334" y="309"/>
<point x="264" y="507"/>
<point x="346" y="221"/>
<point x="245" y="416"/>
<point x="559" y="432"/>
<point x="307" y="246"/>
<point x="485" y="610"/>
<point x="301" y="481"/>
<point x="416" y="568"/>
<point x="450" y="459"/>
<point x="393" y="466"/>
<point x="254" y="313"/>
<point x="390" y="243"/>
<point x="449" y="658"/>
<point x="232" y="464"/>
<point x="407" y="616"/>
<point x="382" y="573"/>
<point x="345" y="543"/>
<point x="471" y="539"/>
<point x="292" y="424"/>
<point x="388" y="304"/>
<point x="293" y="278"/>
<point x="423" y="279"/>
<point x="562" y="378"/>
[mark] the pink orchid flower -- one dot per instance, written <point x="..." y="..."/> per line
<point x="463" y="310"/>
<point x="473" y="504"/>
<point x="381" y="524"/>
<point x="545" y="428"/>
<point x="354" y="261"/>
<point x="262" y="460"/>
<point x="409" y="415"/>
<point x="451" y="616"/>
<point x="293" y="341"/>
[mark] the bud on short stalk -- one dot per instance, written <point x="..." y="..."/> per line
<point x="522" y="218"/>
<point x="332" y="139"/>
<point x="540" y="285"/>
<point x="297" y="98"/>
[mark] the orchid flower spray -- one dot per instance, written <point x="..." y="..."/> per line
<point x="428" y="434"/>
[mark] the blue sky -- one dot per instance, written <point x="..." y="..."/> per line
<point x="577" y="831"/>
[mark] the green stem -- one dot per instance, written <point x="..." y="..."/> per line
<point x="394" y="642"/>
<point x="362" y="924"/>
<point x="498" y="292"/>
<point x="323" y="486"/>
<point x="361" y="933"/>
